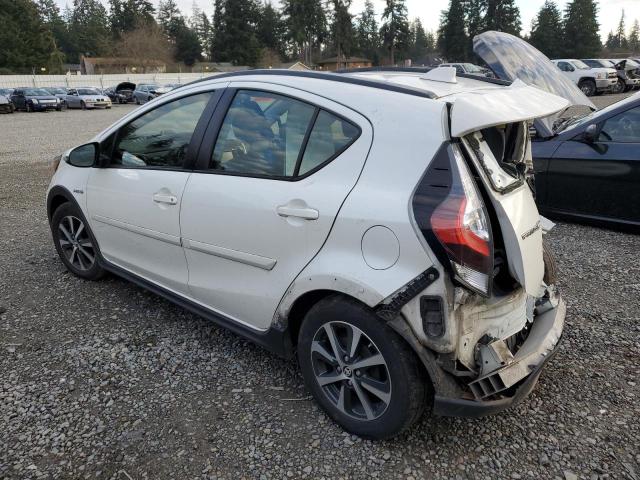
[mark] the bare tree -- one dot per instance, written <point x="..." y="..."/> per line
<point x="145" y="47"/>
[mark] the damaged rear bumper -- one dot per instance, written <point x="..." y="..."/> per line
<point x="512" y="382"/>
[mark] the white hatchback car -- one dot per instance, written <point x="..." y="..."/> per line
<point x="379" y="225"/>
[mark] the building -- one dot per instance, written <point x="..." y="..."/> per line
<point x="100" y="65"/>
<point x="294" y="66"/>
<point x="333" y="63"/>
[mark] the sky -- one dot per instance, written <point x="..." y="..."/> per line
<point x="429" y="10"/>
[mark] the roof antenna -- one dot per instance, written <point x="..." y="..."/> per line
<point x="441" y="74"/>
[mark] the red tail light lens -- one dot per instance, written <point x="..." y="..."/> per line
<point x="458" y="222"/>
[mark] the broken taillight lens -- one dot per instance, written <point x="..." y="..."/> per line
<point x="452" y="217"/>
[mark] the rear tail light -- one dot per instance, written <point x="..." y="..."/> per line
<point x="452" y="217"/>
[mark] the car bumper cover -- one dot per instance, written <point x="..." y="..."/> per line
<point x="518" y="377"/>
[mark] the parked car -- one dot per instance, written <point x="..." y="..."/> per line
<point x="265" y="201"/>
<point x="590" y="80"/>
<point x="34" y="100"/>
<point x="87" y="98"/>
<point x="117" y="96"/>
<point x="469" y="69"/>
<point x="145" y="92"/>
<point x="162" y="89"/>
<point x="589" y="169"/>
<point x="6" y="92"/>
<point x="6" y="105"/>
<point x="60" y="93"/>
<point x="627" y="77"/>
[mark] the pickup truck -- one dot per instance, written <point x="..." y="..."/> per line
<point x="591" y="81"/>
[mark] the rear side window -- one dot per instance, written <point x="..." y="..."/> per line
<point x="329" y="137"/>
<point x="267" y="134"/>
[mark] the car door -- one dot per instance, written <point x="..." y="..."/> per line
<point x="73" y="100"/>
<point x="18" y="99"/>
<point x="134" y="198"/>
<point x="600" y="178"/>
<point x="275" y="167"/>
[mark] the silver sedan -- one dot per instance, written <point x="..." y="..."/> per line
<point x="86" y="98"/>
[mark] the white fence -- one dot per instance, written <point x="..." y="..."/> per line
<point x="102" y="81"/>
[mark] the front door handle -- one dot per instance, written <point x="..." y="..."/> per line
<point x="299" y="212"/>
<point x="165" y="198"/>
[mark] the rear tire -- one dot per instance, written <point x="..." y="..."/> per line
<point x="588" y="87"/>
<point x="364" y="376"/>
<point x="83" y="106"/>
<point x="75" y="243"/>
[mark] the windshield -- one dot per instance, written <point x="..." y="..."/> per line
<point x="632" y="63"/>
<point x="57" y="91"/>
<point x="580" y="65"/>
<point x="598" y="63"/>
<point x="6" y="91"/>
<point x="88" y="91"/>
<point x="470" y="67"/>
<point x="37" y="92"/>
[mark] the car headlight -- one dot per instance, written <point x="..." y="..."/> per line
<point x="599" y="76"/>
<point x="34" y="101"/>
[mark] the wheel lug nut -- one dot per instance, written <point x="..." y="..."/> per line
<point x="346" y="358"/>
<point x="358" y="373"/>
<point x="339" y="370"/>
<point x="349" y="382"/>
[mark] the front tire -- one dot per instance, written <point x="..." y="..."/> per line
<point x="75" y="243"/>
<point x="588" y="87"/>
<point x="83" y="105"/>
<point x="359" y="370"/>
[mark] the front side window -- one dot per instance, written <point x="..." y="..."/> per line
<point x="623" y="128"/>
<point x="266" y="134"/>
<point x="159" y="138"/>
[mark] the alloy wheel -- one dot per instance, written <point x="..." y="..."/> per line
<point x="351" y="370"/>
<point x="75" y="243"/>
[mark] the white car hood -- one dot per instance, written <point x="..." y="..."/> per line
<point x="603" y="70"/>
<point x="518" y="102"/>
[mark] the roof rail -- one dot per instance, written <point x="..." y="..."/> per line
<point x="332" y="77"/>
<point x="495" y="81"/>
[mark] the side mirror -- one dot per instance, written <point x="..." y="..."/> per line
<point x="84" y="155"/>
<point x="590" y="134"/>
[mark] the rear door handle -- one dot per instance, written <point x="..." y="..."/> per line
<point x="165" y="198"/>
<point x="299" y="212"/>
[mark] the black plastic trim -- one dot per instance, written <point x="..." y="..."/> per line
<point x="332" y="77"/>
<point x="59" y="190"/>
<point x="391" y="310"/>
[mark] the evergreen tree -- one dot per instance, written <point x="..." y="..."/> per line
<point x="612" y="42"/>
<point x="54" y="21"/>
<point x="235" y="32"/>
<point x="27" y="44"/>
<point x="306" y="23"/>
<point x="395" y="29"/>
<point x="546" y="31"/>
<point x="621" y="34"/>
<point x="634" y="37"/>
<point x="271" y="29"/>
<point x="186" y="45"/>
<point x="342" y="33"/>
<point x="421" y="43"/>
<point x="90" y="33"/>
<point x="367" y="37"/>
<point x="475" y="11"/>
<point x="129" y="15"/>
<point x="581" y="27"/>
<point x="201" y="25"/>
<point x="452" y="37"/>
<point x="503" y="16"/>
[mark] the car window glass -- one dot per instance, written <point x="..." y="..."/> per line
<point x="329" y="137"/>
<point x="262" y="134"/>
<point x="624" y="127"/>
<point x="159" y="138"/>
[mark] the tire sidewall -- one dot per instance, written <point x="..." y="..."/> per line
<point x="390" y="345"/>
<point x="64" y="210"/>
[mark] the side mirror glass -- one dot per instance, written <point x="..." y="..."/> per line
<point x="591" y="133"/>
<point x="84" y="155"/>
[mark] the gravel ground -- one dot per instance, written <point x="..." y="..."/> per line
<point x="105" y="380"/>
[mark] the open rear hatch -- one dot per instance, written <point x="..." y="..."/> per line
<point x="493" y="125"/>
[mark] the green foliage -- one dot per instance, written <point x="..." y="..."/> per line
<point x="186" y="45"/>
<point x="502" y="16"/>
<point x="306" y="26"/>
<point x="91" y="34"/>
<point x="235" y="26"/>
<point x="421" y="42"/>
<point x="26" y="42"/>
<point x="475" y="11"/>
<point x="271" y="29"/>
<point x="129" y="15"/>
<point x="395" y="29"/>
<point x="342" y="31"/>
<point x="546" y="31"/>
<point x="367" y="35"/>
<point x="634" y="38"/>
<point x="452" y="36"/>
<point x="581" y="27"/>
